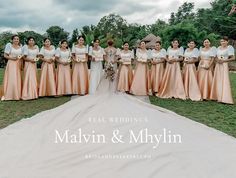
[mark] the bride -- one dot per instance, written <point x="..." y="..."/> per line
<point x="113" y="135"/>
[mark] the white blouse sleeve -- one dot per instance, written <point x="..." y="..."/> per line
<point x="163" y="53"/>
<point x="73" y="48"/>
<point x="87" y="49"/>
<point x="168" y="50"/>
<point x="213" y="51"/>
<point x="42" y="51"/>
<point x="231" y="50"/>
<point x="58" y="53"/>
<point x="90" y="51"/>
<point x="25" y="50"/>
<point x="195" y="53"/>
<point x="7" y="49"/>
<point x="181" y="51"/>
<point x="103" y="51"/>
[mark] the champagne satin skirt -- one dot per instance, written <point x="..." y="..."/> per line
<point x="190" y="82"/>
<point x="221" y="87"/>
<point x="172" y="84"/>
<point x="30" y="84"/>
<point x="47" y="86"/>
<point x="205" y="78"/>
<point x="141" y="81"/>
<point x="12" y="81"/>
<point x="64" y="84"/>
<point x="80" y="78"/>
<point x="157" y="72"/>
<point x="125" y="78"/>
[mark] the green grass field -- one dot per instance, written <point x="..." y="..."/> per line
<point x="213" y="114"/>
<point x="12" y="111"/>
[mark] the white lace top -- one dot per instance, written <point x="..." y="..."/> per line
<point x="31" y="53"/>
<point x="80" y="53"/>
<point x="191" y="54"/>
<point x="142" y="56"/>
<point x="64" y="56"/>
<point x="225" y="53"/>
<point x="12" y="52"/>
<point x="48" y="54"/>
<point x="175" y="53"/>
<point x="208" y="54"/>
<point x="158" y="55"/>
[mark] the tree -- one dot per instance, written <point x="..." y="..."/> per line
<point x="185" y="12"/>
<point x="113" y="24"/>
<point x="73" y="39"/>
<point x="56" y="34"/>
<point x="38" y="37"/>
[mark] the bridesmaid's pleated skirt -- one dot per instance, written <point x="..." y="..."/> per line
<point x="125" y="78"/>
<point x="80" y="78"/>
<point x="157" y="72"/>
<point x="64" y="83"/>
<point x="205" y="78"/>
<point x="190" y="82"/>
<point x="141" y="81"/>
<point x="172" y="83"/>
<point x="30" y="84"/>
<point x="47" y="86"/>
<point x="12" y="81"/>
<point x="221" y="87"/>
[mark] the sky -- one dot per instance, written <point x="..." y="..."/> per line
<point x="38" y="15"/>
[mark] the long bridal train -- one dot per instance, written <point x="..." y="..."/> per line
<point x="28" y="147"/>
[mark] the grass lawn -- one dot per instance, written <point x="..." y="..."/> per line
<point x="12" y="111"/>
<point x="210" y="113"/>
<point x="213" y="114"/>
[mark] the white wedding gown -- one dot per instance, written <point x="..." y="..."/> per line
<point x="28" y="148"/>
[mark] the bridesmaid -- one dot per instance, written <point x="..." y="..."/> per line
<point x="205" y="73"/>
<point x="140" y="85"/>
<point x="97" y="55"/>
<point x="191" y="56"/>
<point x="47" y="86"/>
<point x="158" y="56"/>
<point x="30" y="84"/>
<point x="12" y="77"/>
<point x="172" y="83"/>
<point x="125" y="71"/>
<point x="63" y="58"/>
<point x="221" y="88"/>
<point x="80" y="76"/>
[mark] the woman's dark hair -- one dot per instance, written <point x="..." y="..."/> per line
<point x="225" y="38"/>
<point x="175" y="39"/>
<point x="189" y="41"/>
<point x="110" y="42"/>
<point x="29" y="38"/>
<point x="80" y="36"/>
<point x="206" y="39"/>
<point x="96" y="39"/>
<point x="126" y="42"/>
<point x="13" y="36"/>
<point x="63" y="41"/>
<point x="141" y="42"/>
<point x="45" y="39"/>
<point x="158" y="42"/>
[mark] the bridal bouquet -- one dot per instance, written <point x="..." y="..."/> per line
<point x="109" y="71"/>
